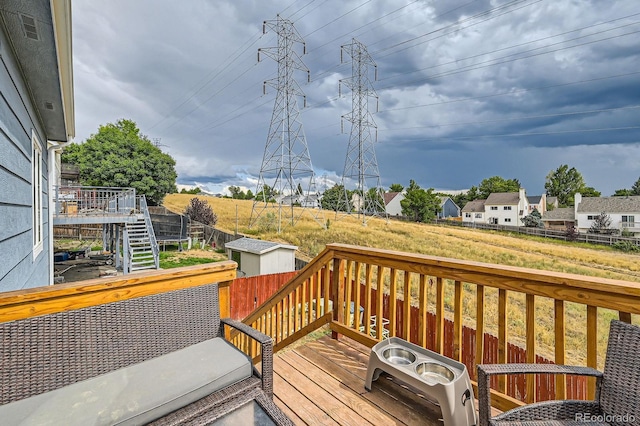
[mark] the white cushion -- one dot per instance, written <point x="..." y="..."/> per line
<point x="136" y="394"/>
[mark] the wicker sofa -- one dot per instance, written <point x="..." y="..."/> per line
<point x="617" y="388"/>
<point x="160" y="358"/>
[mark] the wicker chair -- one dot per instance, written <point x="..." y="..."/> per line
<point x="617" y="388"/>
<point x="49" y="352"/>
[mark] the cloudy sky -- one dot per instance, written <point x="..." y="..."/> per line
<point x="467" y="89"/>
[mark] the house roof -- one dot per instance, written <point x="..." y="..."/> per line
<point x="389" y="196"/>
<point x="251" y="245"/>
<point x="40" y="36"/>
<point x="474" y="206"/>
<point x="534" y="199"/>
<point x="503" y="198"/>
<point x="598" y="205"/>
<point x="552" y="200"/>
<point x="564" y="213"/>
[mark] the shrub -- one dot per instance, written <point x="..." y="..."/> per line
<point x="626" y="246"/>
<point x="200" y="211"/>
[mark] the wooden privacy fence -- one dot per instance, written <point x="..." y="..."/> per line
<point x="248" y="293"/>
<point x="517" y="301"/>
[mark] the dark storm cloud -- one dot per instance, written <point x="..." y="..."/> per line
<point x="455" y="88"/>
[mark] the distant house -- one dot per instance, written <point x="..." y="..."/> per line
<point x="623" y="211"/>
<point x="448" y="208"/>
<point x="392" y="203"/>
<point x="559" y="219"/>
<point x="537" y="202"/>
<point x="552" y="203"/>
<point x="258" y="257"/>
<point x="312" y="200"/>
<point x="473" y="212"/>
<point x="36" y="82"/>
<point x="506" y="208"/>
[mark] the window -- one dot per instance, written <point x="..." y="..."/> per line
<point x="494" y="207"/>
<point x="628" y="220"/>
<point x="36" y="186"/>
<point x="508" y="219"/>
<point x="467" y="215"/>
<point x="493" y="220"/>
<point x="478" y="215"/>
<point x="506" y="208"/>
<point x="590" y="217"/>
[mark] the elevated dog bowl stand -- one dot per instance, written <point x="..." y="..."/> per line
<point x="437" y="376"/>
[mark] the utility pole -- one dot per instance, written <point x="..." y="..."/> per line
<point x="286" y="163"/>
<point x="361" y="166"/>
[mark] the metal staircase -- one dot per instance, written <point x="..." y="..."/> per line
<point x="140" y="245"/>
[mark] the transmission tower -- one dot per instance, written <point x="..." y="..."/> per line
<point x="361" y="166"/>
<point x="286" y="165"/>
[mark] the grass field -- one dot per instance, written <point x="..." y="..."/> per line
<point x="452" y="242"/>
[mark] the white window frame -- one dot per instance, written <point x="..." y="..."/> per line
<point x="506" y="208"/>
<point x="36" y="194"/>
<point x="507" y="219"/>
<point x="494" y="207"/>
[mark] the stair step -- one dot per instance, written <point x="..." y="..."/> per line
<point x="143" y="262"/>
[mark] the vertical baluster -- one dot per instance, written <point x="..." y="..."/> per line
<point x="439" y="315"/>
<point x="530" y="393"/>
<point x="592" y="347"/>
<point x="406" y="329"/>
<point x="457" y="322"/>
<point x="296" y="310"/>
<point x="367" y="301"/>
<point x="502" y="337"/>
<point x="560" y="352"/>
<point x="423" y="312"/>
<point x="356" y="297"/>
<point x="379" y="302"/>
<point x="479" y="325"/>
<point x="327" y="288"/>
<point x="348" y="321"/>
<point x="337" y="293"/>
<point x="393" y="297"/>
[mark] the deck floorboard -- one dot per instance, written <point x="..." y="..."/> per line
<point x="322" y="382"/>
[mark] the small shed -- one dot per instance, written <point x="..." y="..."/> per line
<point x="258" y="257"/>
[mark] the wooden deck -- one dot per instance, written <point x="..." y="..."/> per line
<point x="322" y="382"/>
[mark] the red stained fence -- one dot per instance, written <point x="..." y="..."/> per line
<point x="250" y="292"/>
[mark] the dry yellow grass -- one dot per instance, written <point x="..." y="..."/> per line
<point x="458" y="243"/>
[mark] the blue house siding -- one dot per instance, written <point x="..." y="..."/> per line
<point x="18" y="268"/>
<point x="449" y="209"/>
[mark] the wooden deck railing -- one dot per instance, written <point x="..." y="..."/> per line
<point x="32" y="302"/>
<point x="448" y="306"/>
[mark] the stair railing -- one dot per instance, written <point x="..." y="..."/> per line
<point x="144" y="209"/>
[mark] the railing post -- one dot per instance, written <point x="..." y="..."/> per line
<point x="337" y="293"/>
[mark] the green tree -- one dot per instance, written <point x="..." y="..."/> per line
<point x="635" y="189"/>
<point x="248" y="195"/>
<point x="396" y="187"/>
<point x="119" y="156"/>
<point x="266" y="194"/>
<point x="589" y="191"/>
<point x="497" y="184"/>
<point x="194" y="191"/>
<point x="418" y="204"/>
<point x="563" y="183"/>
<point x="375" y="201"/>
<point x="622" y="193"/>
<point x="237" y="192"/>
<point x="602" y="225"/>
<point x="533" y="220"/>
<point x="334" y="199"/>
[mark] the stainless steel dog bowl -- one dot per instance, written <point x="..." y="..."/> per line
<point x="434" y="373"/>
<point x="399" y="356"/>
